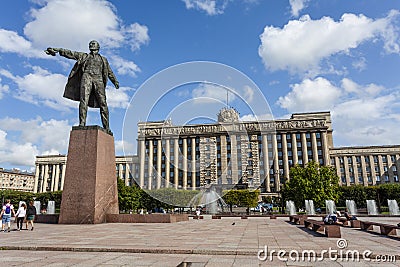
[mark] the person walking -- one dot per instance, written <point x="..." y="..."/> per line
<point x="30" y="214"/>
<point x="21" y="212"/>
<point x="6" y="213"/>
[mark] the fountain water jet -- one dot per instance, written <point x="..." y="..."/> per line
<point x="209" y="199"/>
<point x="351" y="206"/>
<point x="290" y="207"/>
<point x="310" y="210"/>
<point x="371" y="207"/>
<point x="393" y="207"/>
<point x="330" y="206"/>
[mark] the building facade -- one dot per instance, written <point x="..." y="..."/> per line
<point x="366" y="165"/>
<point x="50" y="171"/>
<point x="258" y="154"/>
<point x="254" y="154"/>
<point x="17" y="180"/>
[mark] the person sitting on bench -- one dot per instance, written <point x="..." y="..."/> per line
<point x="349" y="216"/>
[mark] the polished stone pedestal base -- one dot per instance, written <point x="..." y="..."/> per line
<point x="90" y="186"/>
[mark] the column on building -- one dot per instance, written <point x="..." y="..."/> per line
<point x="234" y="159"/>
<point x="127" y="173"/>
<point x="184" y="164"/>
<point x="373" y="172"/>
<point x="53" y="177"/>
<point x="176" y="162"/>
<point x="57" y="177"/>
<point x="167" y="162"/>
<point x="398" y="164"/>
<point x="45" y="177"/>
<point x="276" y="162"/>
<point x="304" y="148"/>
<point x="64" y="166"/>
<point x="159" y="163"/>
<point x="390" y="170"/>
<point x="380" y="163"/>
<point x="150" y="168"/>
<point x="355" y="169"/>
<point x="37" y="171"/>
<point x="364" y="170"/>
<point x="266" y="162"/>
<point x="294" y="149"/>
<point x="337" y="166"/>
<point x="314" y="146"/>
<point x="120" y="173"/>
<point x="193" y="163"/>
<point x="142" y="149"/>
<point x="285" y="157"/>
<point x="325" y="148"/>
<point x="224" y="159"/>
<point x="346" y="170"/>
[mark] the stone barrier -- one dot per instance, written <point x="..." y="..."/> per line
<point x="146" y="218"/>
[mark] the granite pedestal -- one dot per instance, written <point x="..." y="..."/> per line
<point x="90" y="186"/>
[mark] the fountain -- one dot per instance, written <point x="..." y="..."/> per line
<point x="371" y="207"/>
<point x="351" y="206"/>
<point x="330" y="206"/>
<point x="209" y="199"/>
<point x="37" y="206"/>
<point x="310" y="210"/>
<point x="51" y="209"/>
<point x="290" y="207"/>
<point x="393" y="207"/>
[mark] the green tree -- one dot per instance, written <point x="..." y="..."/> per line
<point x="314" y="182"/>
<point x="128" y="196"/>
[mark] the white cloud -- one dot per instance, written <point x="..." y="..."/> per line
<point x="211" y="7"/>
<point x="124" y="67"/>
<point x="137" y="35"/>
<point x="297" y="5"/>
<point x="52" y="25"/>
<point x="118" y="98"/>
<point x="19" y="149"/>
<point x="356" y="109"/>
<point x="252" y="117"/>
<point x="210" y="93"/>
<point x="301" y="45"/>
<point x="124" y="148"/>
<point x="41" y="88"/>
<point x="311" y="95"/>
<point x="16" y="154"/>
<point x="3" y="89"/>
<point x="11" y="42"/>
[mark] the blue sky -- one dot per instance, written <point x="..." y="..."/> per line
<point x="301" y="55"/>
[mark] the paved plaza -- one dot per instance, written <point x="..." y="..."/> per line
<point x="208" y="242"/>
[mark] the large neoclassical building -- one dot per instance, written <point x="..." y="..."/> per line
<point x="230" y="152"/>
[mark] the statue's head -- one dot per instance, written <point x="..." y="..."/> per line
<point x="94" y="46"/>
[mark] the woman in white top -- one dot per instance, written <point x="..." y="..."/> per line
<point x="21" y="216"/>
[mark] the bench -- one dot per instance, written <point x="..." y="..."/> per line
<point x="297" y="219"/>
<point x="319" y="226"/>
<point x="385" y="229"/>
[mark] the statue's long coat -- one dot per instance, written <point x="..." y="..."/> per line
<point x="73" y="86"/>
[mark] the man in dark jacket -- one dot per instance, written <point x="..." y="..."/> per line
<point x="87" y="81"/>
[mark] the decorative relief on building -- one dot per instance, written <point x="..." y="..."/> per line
<point x="228" y="115"/>
<point x="208" y="160"/>
<point x="234" y="127"/>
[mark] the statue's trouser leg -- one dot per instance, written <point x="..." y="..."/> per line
<point x="100" y="93"/>
<point x="86" y="88"/>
